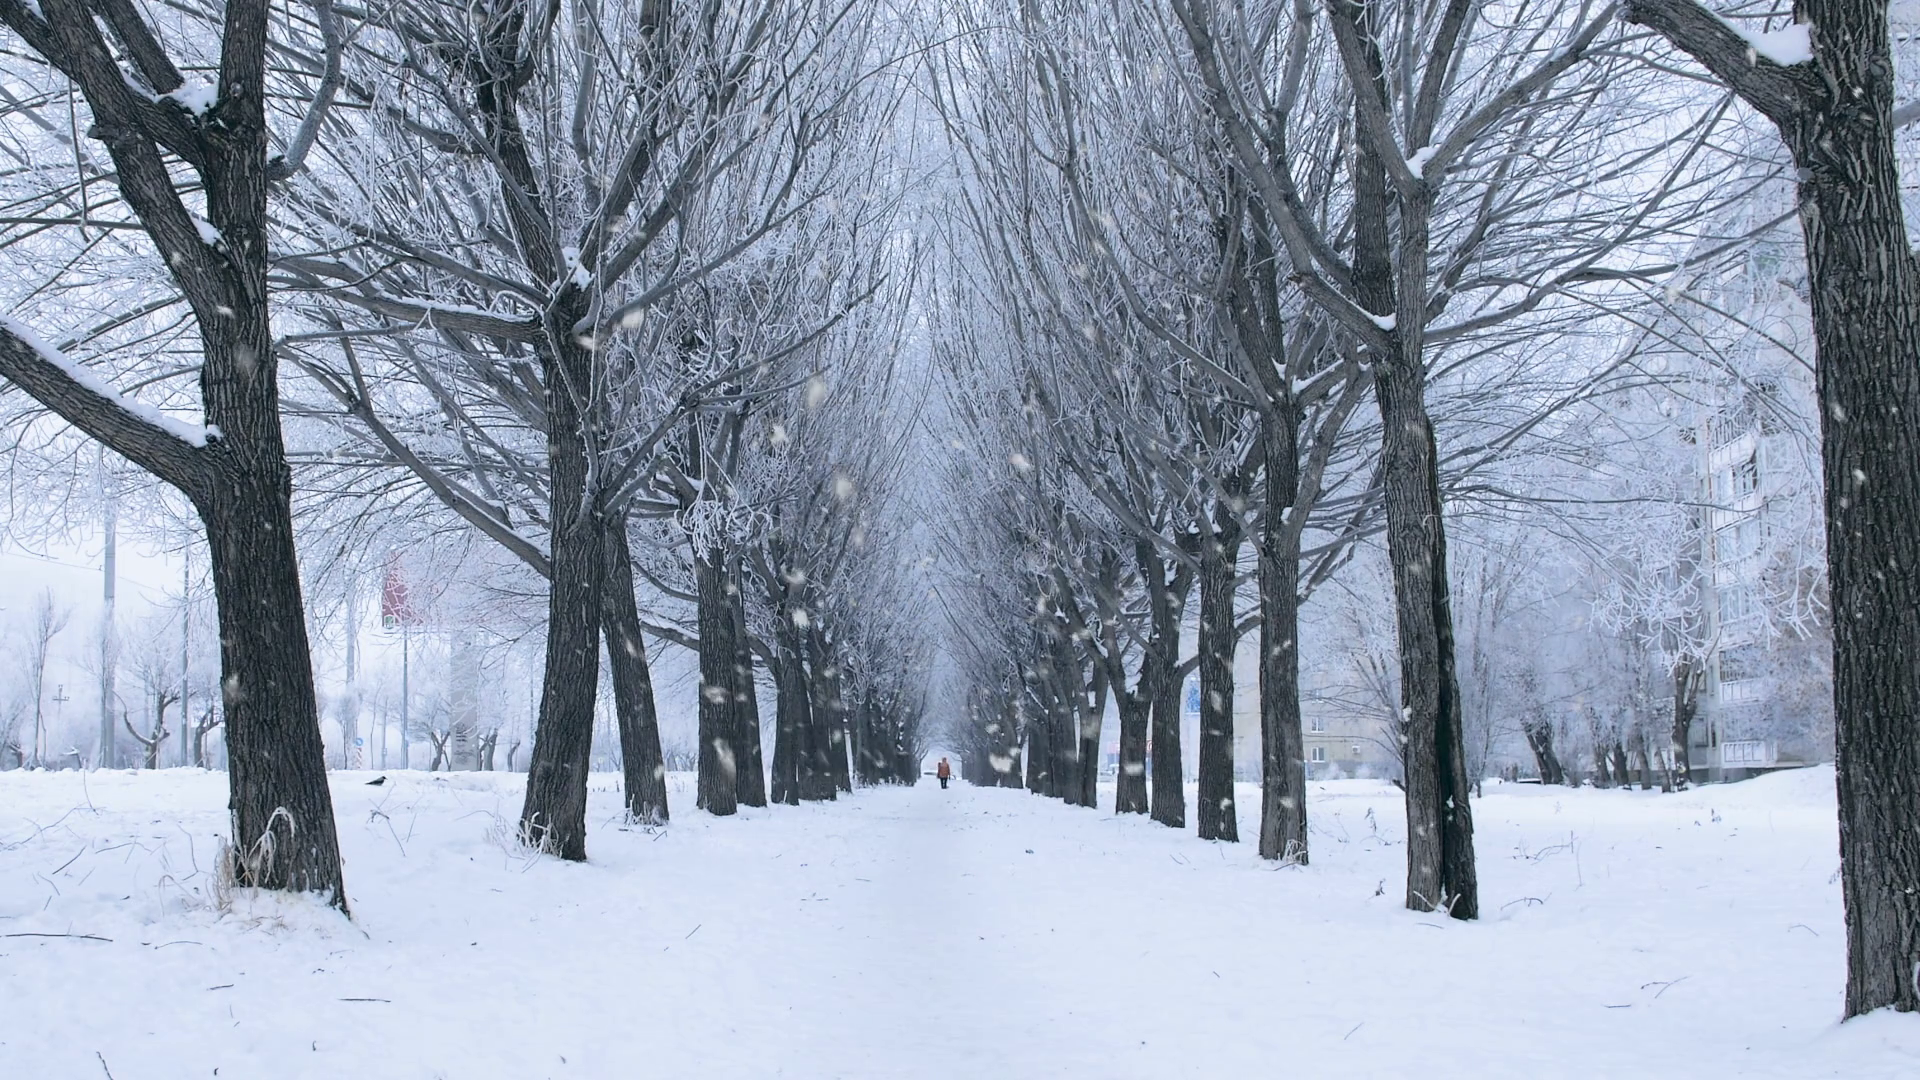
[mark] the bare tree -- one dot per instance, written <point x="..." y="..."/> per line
<point x="1825" y="78"/>
<point x="234" y="469"/>
<point x="48" y="620"/>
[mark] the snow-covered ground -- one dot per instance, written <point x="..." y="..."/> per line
<point x="922" y="933"/>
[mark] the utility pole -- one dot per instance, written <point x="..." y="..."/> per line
<point x="59" y="698"/>
<point x="350" y="704"/>
<point x="108" y="654"/>
<point x="405" y="690"/>
<point x="186" y="648"/>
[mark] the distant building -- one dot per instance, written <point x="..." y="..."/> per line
<point x="1762" y="703"/>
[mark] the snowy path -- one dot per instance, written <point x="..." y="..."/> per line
<point x="921" y="933"/>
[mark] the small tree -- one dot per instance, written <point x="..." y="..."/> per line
<point x="48" y="620"/>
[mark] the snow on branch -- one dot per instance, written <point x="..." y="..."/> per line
<point x="1758" y="70"/>
<point x="162" y="444"/>
<point x="1787" y="46"/>
<point x="191" y="434"/>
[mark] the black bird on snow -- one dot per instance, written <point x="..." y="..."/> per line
<point x="377" y="781"/>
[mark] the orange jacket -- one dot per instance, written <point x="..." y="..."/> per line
<point x="944" y="771"/>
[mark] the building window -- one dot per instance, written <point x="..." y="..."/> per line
<point x="1746" y="475"/>
<point x="1742" y="662"/>
<point x="1318" y="753"/>
<point x="1736" y="603"/>
<point x="1739" y="541"/>
<point x="1318" y="723"/>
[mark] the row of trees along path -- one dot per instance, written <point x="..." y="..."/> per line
<point x="626" y="290"/>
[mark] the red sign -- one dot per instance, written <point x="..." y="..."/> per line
<point x="396" y="606"/>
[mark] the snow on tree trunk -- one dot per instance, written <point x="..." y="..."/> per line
<point x="1219" y="550"/>
<point x="643" y="765"/>
<point x="1834" y="109"/>
<point x="554" y="814"/>
<point x="1161" y="654"/>
<point x="1283" y="776"/>
<point x="750" y="776"/>
<point x="719" y="760"/>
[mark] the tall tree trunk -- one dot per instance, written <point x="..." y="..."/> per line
<point x="1539" y="733"/>
<point x="718" y="791"/>
<point x="1069" y="709"/>
<point x="1866" y="317"/>
<point x="1390" y="280"/>
<point x="1130" y="783"/>
<point x="1161" y="656"/>
<point x="1440" y="865"/>
<point x="1646" y="756"/>
<point x="1067" y="703"/>
<point x="751" y="776"/>
<point x="1092" y="716"/>
<point x="1686" y="706"/>
<point x="1006" y="764"/>
<point x="1039" y="748"/>
<point x="1283" y="770"/>
<point x="829" y="705"/>
<point x="283" y="827"/>
<point x="238" y="480"/>
<point x="811" y="766"/>
<point x="1835" y="113"/>
<point x="1218" y="819"/>
<point x="643" y="764"/>
<point x="815" y="740"/>
<point x="789" y="728"/>
<point x="554" y="815"/>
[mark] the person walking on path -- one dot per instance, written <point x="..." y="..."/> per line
<point x="945" y="772"/>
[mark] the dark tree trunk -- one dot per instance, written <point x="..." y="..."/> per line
<point x="1039" y="748"/>
<point x="1866" y="318"/>
<point x="239" y="482"/>
<point x="814" y="764"/>
<point x="1390" y="279"/>
<point x="644" y="765"/>
<point x="793" y="761"/>
<point x="1440" y="863"/>
<point x="1835" y="114"/>
<point x="1091" y="718"/>
<point x="1283" y="770"/>
<point x="1686" y="706"/>
<point x="1069" y="710"/>
<point x="875" y="762"/>
<point x="554" y="816"/>
<point x="718" y="791"/>
<point x="1130" y="783"/>
<point x="751" y="776"/>
<point x="1539" y="733"/>
<point x="1621" y="775"/>
<point x="1218" y="819"/>
<point x="829" y="706"/>
<point x="873" y="756"/>
<point x="1047" y="684"/>
<point x="1161" y="658"/>
<point x="1068" y="703"/>
<point x="789" y="727"/>
<point x="283" y="829"/>
<point x="1644" y="749"/>
<point x="1006" y="763"/>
